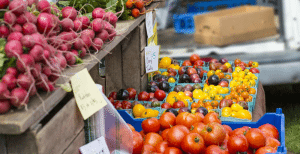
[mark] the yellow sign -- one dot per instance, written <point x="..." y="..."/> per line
<point x="88" y="97"/>
<point x="153" y="39"/>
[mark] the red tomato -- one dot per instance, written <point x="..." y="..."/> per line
<point x="264" y="150"/>
<point x="151" y="125"/>
<point x="162" y="146"/>
<point x="255" y="138"/>
<point x="187" y="63"/>
<point x="272" y="142"/>
<point x="237" y="61"/>
<point x="111" y="100"/>
<point x="153" y="139"/>
<point x="211" y="117"/>
<point x="151" y="95"/>
<point x="167" y="120"/>
<point x="269" y="130"/>
<point x="113" y="95"/>
<point x="214" y="149"/>
<point x="227" y="128"/>
<point x="131" y="127"/>
<point x="198" y="63"/>
<point x="143" y="133"/>
<point x="166" y="106"/>
<point x="240" y="131"/>
<point x="132" y="93"/>
<point x="194" y="58"/>
<point x="186" y="119"/>
<point x="148" y="149"/>
<point x="164" y="133"/>
<point x="213" y="133"/>
<point x="237" y="143"/>
<point x="160" y="95"/>
<point x="143" y="96"/>
<point x="197" y="127"/>
<point x="193" y="143"/>
<point x="172" y="150"/>
<point x="199" y="117"/>
<point x="176" y="135"/>
<point x="178" y="104"/>
<point x="137" y="142"/>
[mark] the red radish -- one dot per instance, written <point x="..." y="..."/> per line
<point x="12" y="70"/>
<point x="13" y="49"/>
<point x="50" y="87"/>
<point x="78" y="44"/>
<point x="39" y="39"/>
<point x="4" y="4"/>
<point x="4" y="92"/>
<point x="17" y="28"/>
<point x="77" y="25"/>
<point x="53" y="78"/>
<point x="31" y="17"/>
<point x="75" y="52"/>
<point x="37" y="52"/>
<point x="24" y="81"/>
<point x="97" y="25"/>
<point x="21" y="19"/>
<point x="67" y="24"/>
<point x="9" y="18"/>
<point x="111" y="17"/>
<point x="9" y="80"/>
<point x="47" y="54"/>
<point x="32" y="91"/>
<point x="44" y="6"/>
<point x="85" y="22"/>
<point x="54" y="9"/>
<point x="4" y="106"/>
<point x="98" y="13"/>
<point x="143" y="10"/>
<point x="86" y="40"/>
<point x="19" y="97"/>
<point x="36" y="71"/>
<point x="25" y="59"/>
<point x="112" y="35"/>
<point x="27" y="41"/>
<point x="83" y="52"/>
<point x="62" y="61"/>
<point x="4" y="31"/>
<point x="41" y="81"/>
<point x="47" y="71"/>
<point x="45" y="22"/>
<point x="31" y="2"/>
<point x="89" y="33"/>
<point x="69" y="12"/>
<point x="70" y="57"/>
<point x="63" y="47"/>
<point x="14" y="36"/>
<point x="29" y="28"/>
<point x="97" y="44"/>
<point x="103" y="35"/>
<point x="18" y="7"/>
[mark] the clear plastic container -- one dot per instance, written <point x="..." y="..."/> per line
<point x="108" y="123"/>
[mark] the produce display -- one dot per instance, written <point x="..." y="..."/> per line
<point x="195" y="133"/>
<point x="39" y="40"/>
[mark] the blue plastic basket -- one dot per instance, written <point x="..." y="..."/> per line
<point x="276" y="119"/>
<point x="184" y="23"/>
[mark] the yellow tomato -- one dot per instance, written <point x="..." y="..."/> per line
<point x="218" y="71"/>
<point x="210" y="73"/>
<point x="186" y="103"/>
<point x="138" y="110"/>
<point x="226" y="114"/>
<point x="171" y="66"/>
<point x="241" y="74"/>
<point x="226" y="109"/>
<point x="222" y="91"/>
<point x="206" y="89"/>
<point x="165" y="73"/>
<point x="234" y="74"/>
<point x="238" y="69"/>
<point x="181" y="94"/>
<point x="226" y="90"/>
<point x="172" y="99"/>
<point x="252" y="83"/>
<point x="177" y="67"/>
<point x="244" y="114"/>
<point x="208" y="98"/>
<point x="171" y="80"/>
<point x="228" y="65"/>
<point x="255" y="64"/>
<point x="236" y="107"/>
<point x="172" y="93"/>
<point x="218" y="97"/>
<point x="246" y="71"/>
<point x="193" y="110"/>
<point x="148" y="113"/>
<point x="197" y="93"/>
<point x="165" y="62"/>
<point x="234" y="114"/>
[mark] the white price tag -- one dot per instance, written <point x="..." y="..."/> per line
<point x="97" y="146"/>
<point x="151" y="58"/>
<point x="149" y="24"/>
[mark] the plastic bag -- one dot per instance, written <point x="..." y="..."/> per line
<point x="108" y="123"/>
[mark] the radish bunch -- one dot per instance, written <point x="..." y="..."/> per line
<point x="44" y="46"/>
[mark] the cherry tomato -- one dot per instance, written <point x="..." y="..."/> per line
<point x="193" y="143"/>
<point x="166" y="106"/>
<point x="113" y="95"/>
<point x="151" y="125"/>
<point x="237" y="61"/>
<point x="237" y="143"/>
<point x="160" y="95"/>
<point x="255" y="138"/>
<point x="213" y="133"/>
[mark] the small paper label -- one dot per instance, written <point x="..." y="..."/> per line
<point x="149" y="24"/>
<point x="151" y="58"/>
<point x="88" y="97"/>
<point x="97" y="146"/>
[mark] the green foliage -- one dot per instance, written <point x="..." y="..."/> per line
<point x="4" y="61"/>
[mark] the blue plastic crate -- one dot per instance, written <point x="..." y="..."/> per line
<point x="276" y="119"/>
<point x="184" y="23"/>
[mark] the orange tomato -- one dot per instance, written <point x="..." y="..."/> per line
<point x="239" y="87"/>
<point x="252" y="91"/>
<point x="195" y="105"/>
<point x="214" y="103"/>
<point x="245" y="94"/>
<point x="234" y="94"/>
<point x="209" y="108"/>
<point x="227" y="76"/>
<point x="240" y="98"/>
<point x="239" y="91"/>
<point x="227" y="97"/>
<point x="233" y="88"/>
<point x="234" y="100"/>
<point x="208" y="103"/>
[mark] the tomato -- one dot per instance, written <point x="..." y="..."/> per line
<point x="148" y="149"/>
<point x="113" y="95"/>
<point x="213" y="133"/>
<point x="237" y="143"/>
<point x="162" y="146"/>
<point x="264" y="150"/>
<point x="131" y="127"/>
<point x="151" y="95"/>
<point x="211" y="117"/>
<point x="178" y="104"/>
<point x="199" y="117"/>
<point x="237" y="61"/>
<point x="167" y="120"/>
<point x="111" y="100"/>
<point x="166" y="106"/>
<point x="193" y="143"/>
<point x="143" y="96"/>
<point x="172" y="150"/>
<point x="195" y="105"/>
<point x="272" y="142"/>
<point x="214" y="149"/>
<point x="126" y="105"/>
<point x="186" y="119"/>
<point x="153" y="139"/>
<point x="132" y="93"/>
<point x="269" y="130"/>
<point x="255" y="138"/>
<point x="151" y="125"/>
<point x="143" y="133"/>
<point x="240" y="131"/>
<point x="197" y="127"/>
<point x="137" y="142"/>
<point x="194" y="57"/>
<point x="227" y="129"/>
<point x="187" y="63"/>
<point x="176" y="135"/>
<point x="160" y="95"/>
<point x="164" y="134"/>
<point x="198" y="63"/>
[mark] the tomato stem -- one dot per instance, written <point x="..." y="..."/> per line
<point x="197" y="139"/>
<point x="192" y="128"/>
<point x="209" y="129"/>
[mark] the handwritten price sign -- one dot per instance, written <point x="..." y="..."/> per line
<point x="97" y="146"/>
<point x="151" y="58"/>
<point x="88" y="97"/>
<point x="149" y="24"/>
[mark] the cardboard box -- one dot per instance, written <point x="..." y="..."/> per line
<point x="234" y="25"/>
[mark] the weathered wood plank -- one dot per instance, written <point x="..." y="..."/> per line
<point x="143" y="67"/>
<point x="24" y="143"/>
<point x="143" y="36"/>
<point x="61" y="130"/>
<point x="76" y="144"/>
<point x="2" y="144"/>
<point x="113" y="70"/>
<point x="94" y="72"/>
<point x="144" y="81"/>
<point x="131" y="62"/>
